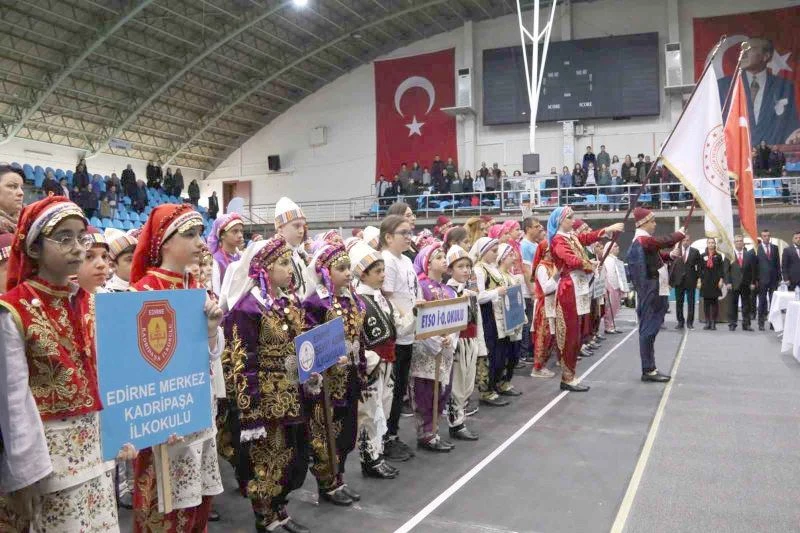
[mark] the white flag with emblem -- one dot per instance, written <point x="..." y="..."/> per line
<point x="696" y="155"/>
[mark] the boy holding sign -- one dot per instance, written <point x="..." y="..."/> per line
<point x="168" y="244"/>
<point x="48" y="376"/>
<point x="432" y="358"/>
<point x="330" y="296"/>
<point x="263" y="319"/>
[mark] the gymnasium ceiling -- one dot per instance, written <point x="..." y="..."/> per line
<point x="186" y="82"/>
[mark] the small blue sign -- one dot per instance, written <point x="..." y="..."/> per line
<point x="514" y="308"/>
<point x="152" y="366"/>
<point x="320" y="348"/>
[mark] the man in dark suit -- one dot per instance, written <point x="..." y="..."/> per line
<point x="213" y="206"/>
<point x="770" y="99"/>
<point x="790" y="264"/>
<point x="740" y="278"/>
<point x="684" y="272"/>
<point x="769" y="273"/>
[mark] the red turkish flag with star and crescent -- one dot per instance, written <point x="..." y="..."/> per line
<point x="410" y="93"/>
<point x="740" y="164"/>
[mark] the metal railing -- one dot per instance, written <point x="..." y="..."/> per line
<point x="520" y="195"/>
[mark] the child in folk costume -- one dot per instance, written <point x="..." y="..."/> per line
<point x="120" y="254"/>
<point x="49" y="409"/>
<point x="431" y="265"/>
<point x="588" y="343"/>
<point x="573" y="297"/>
<point x="598" y="293"/>
<point x="93" y="273"/>
<point x="380" y="335"/>
<point x="263" y="318"/>
<point x="470" y="345"/>
<point x="328" y="297"/>
<point x="224" y="242"/>
<point x="168" y="244"/>
<point x="491" y="288"/>
<point x="5" y="252"/>
<point x="290" y="223"/>
<point x="546" y="276"/>
<point x="509" y="341"/>
<point x="616" y="285"/>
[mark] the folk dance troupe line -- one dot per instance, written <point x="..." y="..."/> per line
<point x="260" y="297"/>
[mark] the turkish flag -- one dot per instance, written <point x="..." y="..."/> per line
<point x="409" y="95"/>
<point x="740" y="164"/>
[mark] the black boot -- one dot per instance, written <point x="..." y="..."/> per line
<point x="336" y="497"/>
<point x="713" y="325"/>
<point x="378" y="470"/>
<point x="462" y="433"/>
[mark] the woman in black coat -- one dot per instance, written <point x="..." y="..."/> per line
<point x="712" y="271"/>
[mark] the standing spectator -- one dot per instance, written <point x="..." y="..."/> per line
<point x="615" y="191"/>
<point x="565" y="184"/>
<point x="451" y="167"/>
<point x="437" y="174"/>
<point x="588" y="157"/>
<point x="768" y="276"/>
<point x="98" y="185"/>
<point x="483" y="172"/>
<point x="740" y="278"/>
<point x="177" y="188"/>
<point x="712" y="271"/>
<point x="683" y="276"/>
<point x="790" y="265"/>
<point x="11" y="198"/>
<point x="776" y="161"/>
<point x="633" y="177"/>
<point x="63" y="188"/>
<point x="578" y="177"/>
<point x="492" y="181"/>
<point x="758" y="169"/>
<point x="603" y="179"/>
<point x="91" y="203"/>
<point x="763" y="154"/>
<point x="168" y="183"/>
<point x="139" y="200"/>
<point x="591" y="180"/>
<point x="194" y="193"/>
<point x="213" y="206"/>
<point x="115" y="181"/>
<point x="152" y="174"/>
<point x="603" y="158"/>
<point x="615" y="164"/>
<point x="456" y="185"/>
<point x="105" y="208"/>
<point x="81" y="177"/>
<point x="404" y="178"/>
<point x="50" y="185"/>
<point x="113" y="197"/>
<point x="479" y="185"/>
<point x="468" y="182"/>
<point x="381" y="186"/>
<point x="416" y="173"/>
<point x="626" y="167"/>
<point x="426" y="177"/>
<point x="129" y="181"/>
<point x="641" y="169"/>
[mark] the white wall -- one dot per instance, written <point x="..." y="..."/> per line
<point x="345" y="166"/>
<point x="54" y="155"/>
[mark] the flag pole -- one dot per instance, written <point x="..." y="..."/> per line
<point x="632" y="202"/>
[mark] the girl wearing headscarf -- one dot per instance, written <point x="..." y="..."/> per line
<point x="573" y="297"/>
<point x="490" y="288"/>
<point x="48" y="375"/>
<point x="263" y="317"/>
<point x="224" y="242"/>
<point x="431" y="265"/>
<point x="168" y="244"/>
<point x="546" y="277"/>
<point x="616" y="285"/>
<point x="329" y="296"/>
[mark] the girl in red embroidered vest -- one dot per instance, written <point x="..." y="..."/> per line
<point x="48" y="376"/>
<point x="170" y="242"/>
<point x="544" y="313"/>
<point x="573" y="297"/>
<point x="328" y="297"/>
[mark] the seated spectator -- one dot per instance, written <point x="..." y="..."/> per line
<point x="105" y="208"/>
<point x="113" y="197"/>
<point x="633" y="176"/>
<point x="194" y="193"/>
<point x="50" y="185"/>
<point x="64" y="188"/>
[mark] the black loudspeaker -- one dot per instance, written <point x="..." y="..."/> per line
<point x="530" y="163"/>
<point x="274" y="162"/>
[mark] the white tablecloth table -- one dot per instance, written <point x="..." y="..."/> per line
<point x="791" y="332"/>
<point x="780" y="299"/>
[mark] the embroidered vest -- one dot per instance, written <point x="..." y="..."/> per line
<point x="379" y="329"/>
<point x="158" y="279"/>
<point x="59" y="337"/>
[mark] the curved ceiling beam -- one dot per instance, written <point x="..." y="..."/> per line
<point x="52" y="84"/>
<point x="276" y="74"/>
<point x="133" y="115"/>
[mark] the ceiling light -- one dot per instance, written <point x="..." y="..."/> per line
<point x="301" y="3"/>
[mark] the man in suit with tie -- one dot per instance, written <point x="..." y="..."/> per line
<point x="683" y="277"/>
<point x="790" y="264"/>
<point x="740" y="278"/>
<point x="769" y="273"/>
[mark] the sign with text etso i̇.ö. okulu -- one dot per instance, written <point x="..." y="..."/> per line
<point x="513" y="308"/>
<point x="152" y="366"/>
<point x="320" y="348"/>
<point x="441" y="317"/>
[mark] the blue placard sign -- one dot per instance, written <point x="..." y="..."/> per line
<point x="152" y="365"/>
<point x="320" y="348"/>
<point x="514" y="308"/>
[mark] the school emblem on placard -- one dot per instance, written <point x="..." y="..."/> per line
<point x="157" y="334"/>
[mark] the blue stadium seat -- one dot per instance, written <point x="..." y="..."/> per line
<point x="38" y="179"/>
<point x="602" y="199"/>
<point x="137" y="224"/>
<point x="758" y="193"/>
<point x="147" y="211"/>
<point x="772" y="192"/>
<point x="126" y="200"/>
<point x="126" y="225"/>
<point x="590" y="199"/>
<point x="28" y="171"/>
<point x="38" y="168"/>
<point x="645" y="197"/>
<point x="60" y="174"/>
<point x="107" y="223"/>
<point x="49" y="169"/>
<point x="122" y="215"/>
<point x="94" y="221"/>
<point x="16" y="165"/>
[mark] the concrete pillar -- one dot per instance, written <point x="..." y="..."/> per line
<point x="675" y="101"/>
<point x="469" y="123"/>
